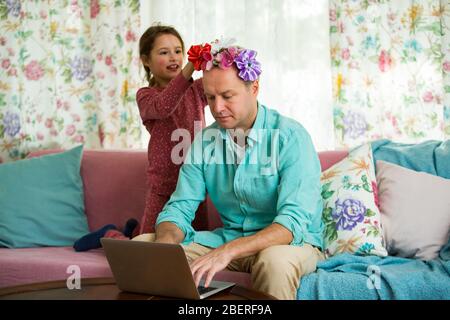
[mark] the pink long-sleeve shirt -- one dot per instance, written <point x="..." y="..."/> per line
<point x="163" y="110"/>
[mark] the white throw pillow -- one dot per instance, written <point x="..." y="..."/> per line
<point x="415" y="211"/>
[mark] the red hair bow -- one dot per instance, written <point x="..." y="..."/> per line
<point x="199" y="55"/>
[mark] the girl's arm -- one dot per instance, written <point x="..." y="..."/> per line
<point x="188" y="70"/>
<point x="159" y="105"/>
<point x="198" y="88"/>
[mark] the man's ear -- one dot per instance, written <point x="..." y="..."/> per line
<point x="255" y="87"/>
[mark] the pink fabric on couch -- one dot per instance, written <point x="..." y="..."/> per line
<point x="22" y="266"/>
<point x="328" y="158"/>
<point x="114" y="189"/>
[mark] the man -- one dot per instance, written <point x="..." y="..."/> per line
<point x="271" y="210"/>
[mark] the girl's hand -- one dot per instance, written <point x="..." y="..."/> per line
<point x="188" y="70"/>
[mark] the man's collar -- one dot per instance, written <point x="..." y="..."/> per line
<point x="259" y="123"/>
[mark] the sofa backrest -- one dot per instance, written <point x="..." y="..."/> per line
<point x="327" y="159"/>
<point x="115" y="185"/>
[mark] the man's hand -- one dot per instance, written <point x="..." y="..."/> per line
<point x="210" y="264"/>
<point x="219" y="258"/>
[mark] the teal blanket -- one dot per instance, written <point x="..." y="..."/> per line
<point x="350" y="277"/>
<point x="430" y="156"/>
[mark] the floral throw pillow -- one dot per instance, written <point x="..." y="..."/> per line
<point x="351" y="214"/>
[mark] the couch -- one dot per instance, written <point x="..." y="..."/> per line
<point x="114" y="184"/>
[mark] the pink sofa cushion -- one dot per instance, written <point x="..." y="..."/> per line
<point x="25" y="266"/>
<point x="30" y="265"/>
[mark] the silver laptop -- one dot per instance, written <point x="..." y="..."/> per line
<point x="158" y="269"/>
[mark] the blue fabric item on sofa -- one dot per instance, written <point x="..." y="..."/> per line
<point x="42" y="201"/>
<point x="444" y="254"/>
<point x="431" y="156"/>
<point x="348" y="277"/>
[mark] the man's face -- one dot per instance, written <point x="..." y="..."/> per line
<point x="232" y="101"/>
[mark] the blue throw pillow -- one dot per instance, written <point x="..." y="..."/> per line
<point x="42" y="202"/>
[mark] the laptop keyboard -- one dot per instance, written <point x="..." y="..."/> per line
<point x="202" y="289"/>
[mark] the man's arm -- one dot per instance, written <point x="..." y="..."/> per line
<point x="273" y="235"/>
<point x="219" y="258"/>
<point x="300" y="205"/>
<point x="168" y="232"/>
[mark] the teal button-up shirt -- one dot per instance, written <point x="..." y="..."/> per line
<point x="277" y="181"/>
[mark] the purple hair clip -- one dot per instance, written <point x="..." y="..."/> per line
<point x="249" y="68"/>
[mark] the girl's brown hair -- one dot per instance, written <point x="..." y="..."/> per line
<point x="147" y="41"/>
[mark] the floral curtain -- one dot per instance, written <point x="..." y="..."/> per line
<point x="69" y="71"/>
<point x="391" y="70"/>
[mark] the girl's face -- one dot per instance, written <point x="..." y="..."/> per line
<point x="166" y="59"/>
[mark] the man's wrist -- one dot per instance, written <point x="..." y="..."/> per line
<point x="231" y="250"/>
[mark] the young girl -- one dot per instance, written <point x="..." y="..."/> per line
<point x="171" y="101"/>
